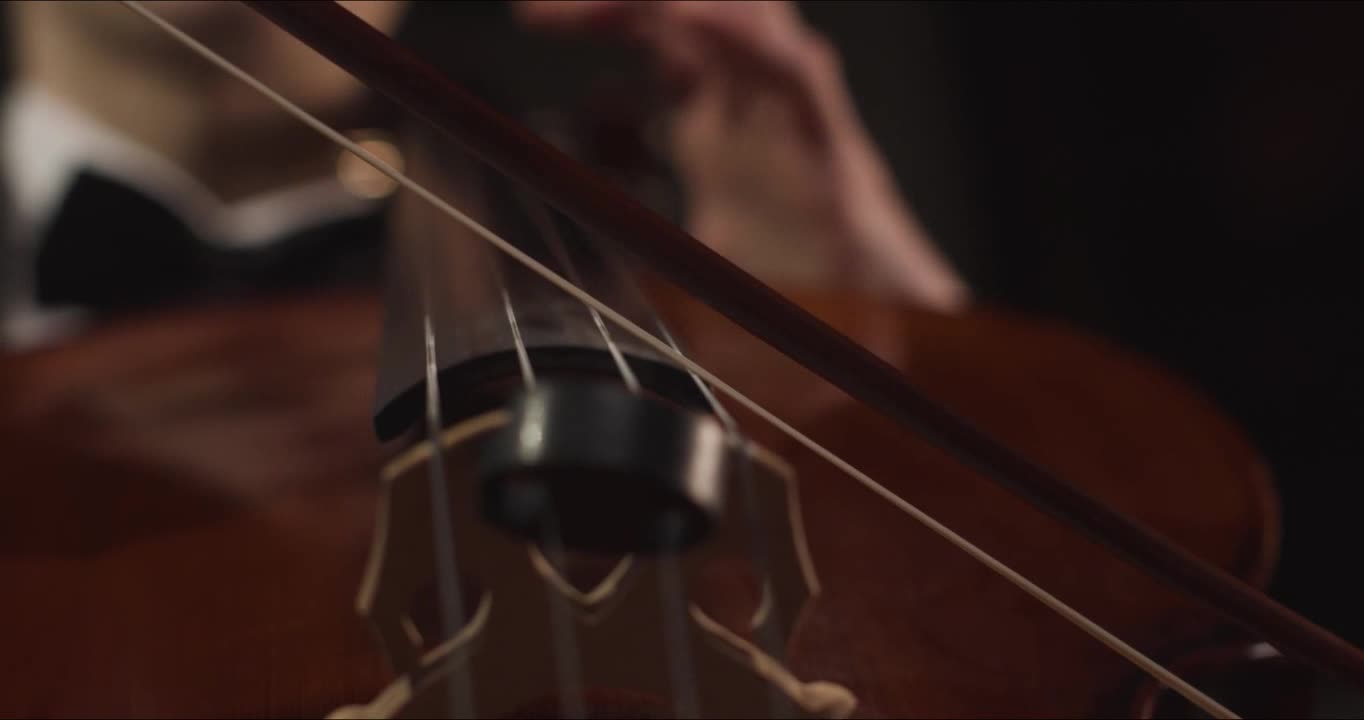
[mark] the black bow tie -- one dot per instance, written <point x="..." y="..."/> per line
<point x="112" y="248"/>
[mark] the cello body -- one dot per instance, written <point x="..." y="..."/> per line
<point x="189" y="500"/>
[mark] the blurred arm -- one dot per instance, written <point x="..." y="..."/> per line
<point x="779" y="172"/>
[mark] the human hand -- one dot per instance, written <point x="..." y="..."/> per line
<point x="780" y="174"/>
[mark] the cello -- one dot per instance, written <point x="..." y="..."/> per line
<point x="209" y="569"/>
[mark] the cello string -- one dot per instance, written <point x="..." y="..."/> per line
<point x="622" y="269"/>
<point x="545" y="224"/>
<point x="567" y="658"/>
<point x="459" y="694"/>
<point x="1075" y="617"/>
<point x="522" y="356"/>
<point x="767" y="631"/>
<point x="681" y="675"/>
<point x="768" y="639"/>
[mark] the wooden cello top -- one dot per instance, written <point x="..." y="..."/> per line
<point x="189" y="502"/>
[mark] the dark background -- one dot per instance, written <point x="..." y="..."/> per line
<point x="1182" y="179"/>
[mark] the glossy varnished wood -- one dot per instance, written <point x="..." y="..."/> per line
<point x="185" y="510"/>
<point x="189" y="498"/>
<point x="915" y="627"/>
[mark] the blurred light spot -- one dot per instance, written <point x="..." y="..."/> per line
<point x="361" y="179"/>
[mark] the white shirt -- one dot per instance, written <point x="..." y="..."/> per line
<point x="46" y="142"/>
